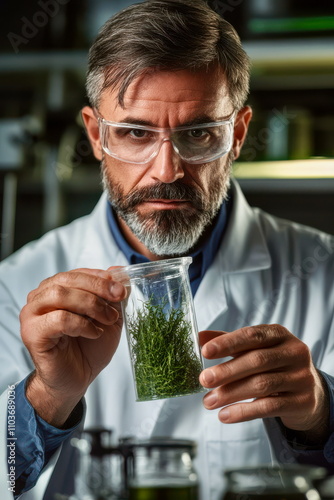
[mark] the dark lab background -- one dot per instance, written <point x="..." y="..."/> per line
<point x="48" y="175"/>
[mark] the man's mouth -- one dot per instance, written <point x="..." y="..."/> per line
<point x="163" y="204"/>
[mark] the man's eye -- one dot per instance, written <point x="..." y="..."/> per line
<point x="138" y="133"/>
<point x="132" y="133"/>
<point x="198" y="133"/>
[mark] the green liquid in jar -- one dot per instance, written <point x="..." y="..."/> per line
<point x="164" y="493"/>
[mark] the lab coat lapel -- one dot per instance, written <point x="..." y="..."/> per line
<point x="210" y="299"/>
<point x="244" y="247"/>
<point x="99" y="249"/>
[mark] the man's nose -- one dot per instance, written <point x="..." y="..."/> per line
<point x="167" y="165"/>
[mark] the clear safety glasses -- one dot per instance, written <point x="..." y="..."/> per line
<point x="140" y="144"/>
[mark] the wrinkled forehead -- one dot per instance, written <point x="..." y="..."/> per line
<point x="170" y="97"/>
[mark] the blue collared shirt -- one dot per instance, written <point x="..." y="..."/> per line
<point x="35" y="441"/>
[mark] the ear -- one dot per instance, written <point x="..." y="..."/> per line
<point x="240" y="129"/>
<point x="92" y="129"/>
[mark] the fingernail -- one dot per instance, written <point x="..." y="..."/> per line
<point x="112" y="313"/>
<point x="116" y="290"/>
<point x="208" y="376"/>
<point x="210" y="399"/>
<point x="99" y="331"/>
<point x="210" y="350"/>
<point x="224" y="414"/>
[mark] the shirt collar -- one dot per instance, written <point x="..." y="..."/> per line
<point x="202" y="257"/>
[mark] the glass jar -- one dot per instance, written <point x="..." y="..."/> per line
<point x="161" y="328"/>
<point x="161" y="469"/>
<point x="291" y="482"/>
<point x="100" y="467"/>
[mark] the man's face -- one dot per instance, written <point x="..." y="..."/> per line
<point x="165" y="205"/>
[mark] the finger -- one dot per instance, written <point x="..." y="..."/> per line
<point x="58" y="324"/>
<point x="94" y="272"/>
<point x="270" y="407"/>
<point x="253" y="362"/>
<point x="257" y="386"/>
<point x="207" y="335"/>
<point x="94" y="282"/>
<point x="118" y="275"/>
<point x="245" y="339"/>
<point x="75" y="301"/>
<point x="114" y="268"/>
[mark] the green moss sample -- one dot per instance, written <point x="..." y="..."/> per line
<point x="165" y="363"/>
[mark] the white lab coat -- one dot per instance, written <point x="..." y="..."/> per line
<point x="266" y="271"/>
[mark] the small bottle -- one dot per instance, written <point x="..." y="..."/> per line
<point x="161" y="328"/>
<point x="289" y="482"/>
<point x="161" y="469"/>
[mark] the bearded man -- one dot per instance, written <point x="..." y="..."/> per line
<point x="167" y="85"/>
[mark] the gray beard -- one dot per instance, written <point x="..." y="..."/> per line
<point x="169" y="232"/>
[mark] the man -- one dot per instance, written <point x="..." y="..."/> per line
<point x="167" y="83"/>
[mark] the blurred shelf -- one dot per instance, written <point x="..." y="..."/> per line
<point x="80" y="183"/>
<point x="294" y="24"/>
<point x="302" y="52"/>
<point x="308" y="52"/>
<point x="313" y="168"/>
<point x="43" y="61"/>
<point x="285" y="186"/>
<point x="319" y="80"/>
<point x="312" y="175"/>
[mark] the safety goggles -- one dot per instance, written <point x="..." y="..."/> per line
<point x="139" y="144"/>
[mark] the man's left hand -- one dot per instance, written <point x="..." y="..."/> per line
<point x="270" y="366"/>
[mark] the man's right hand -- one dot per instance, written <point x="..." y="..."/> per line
<point x="71" y="326"/>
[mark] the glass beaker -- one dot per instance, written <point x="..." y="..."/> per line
<point x="161" y="328"/>
<point x="100" y="467"/>
<point x="288" y="482"/>
<point x="161" y="469"/>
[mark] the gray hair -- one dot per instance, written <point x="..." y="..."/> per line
<point x="159" y="35"/>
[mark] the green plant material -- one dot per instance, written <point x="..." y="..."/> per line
<point x="169" y="492"/>
<point x="162" y="351"/>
